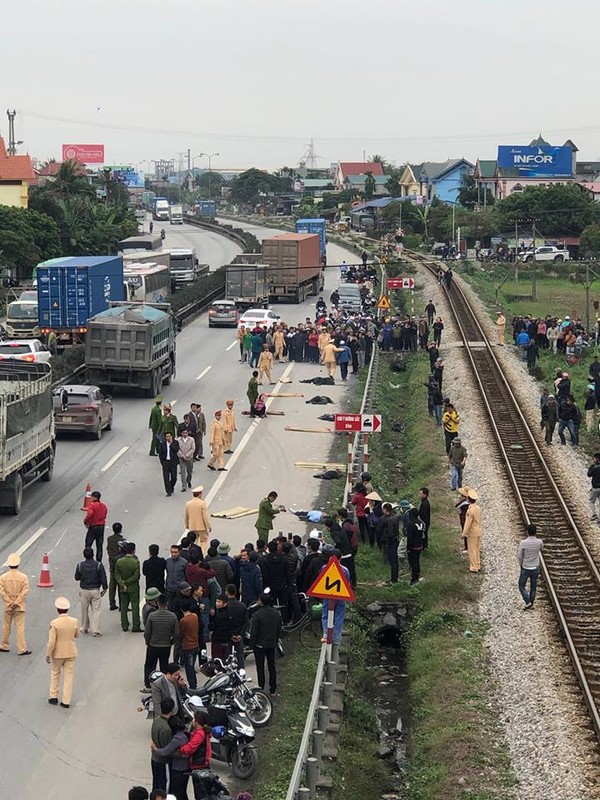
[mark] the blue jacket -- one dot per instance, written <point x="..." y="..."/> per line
<point x="523" y="339"/>
<point x="345" y="356"/>
<point x="251" y="582"/>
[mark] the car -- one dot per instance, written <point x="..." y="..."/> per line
<point x="24" y="350"/>
<point x="546" y="253"/>
<point x="223" y="312"/>
<point x="258" y="316"/>
<point x="29" y="296"/>
<point x="350" y="299"/>
<point x="87" y="410"/>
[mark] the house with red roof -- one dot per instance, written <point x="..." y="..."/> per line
<point x="351" y="169"/>
<point x="16" y="176"/>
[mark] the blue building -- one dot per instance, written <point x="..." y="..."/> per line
<point x="444" y="180"/>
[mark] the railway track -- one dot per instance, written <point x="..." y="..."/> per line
<point x="572" y="579"/>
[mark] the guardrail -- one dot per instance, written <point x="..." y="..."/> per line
<point x="214" y="226"/>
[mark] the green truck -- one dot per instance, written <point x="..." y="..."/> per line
<point x="131" y="346"/>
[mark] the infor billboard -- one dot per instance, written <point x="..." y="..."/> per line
<point x="534" y="162"/>
<point x="85" y="153"/>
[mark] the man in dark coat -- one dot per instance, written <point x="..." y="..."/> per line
<point x="169" y="459"/>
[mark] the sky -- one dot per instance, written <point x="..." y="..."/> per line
<point x="255" y="80"/>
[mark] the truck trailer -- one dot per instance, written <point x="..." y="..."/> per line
<point x="27" y="438"/>
<point x="72" y="290"/>
<point x="160" y="208"/>
<point x="247" y="284"/>
<point x="317" y="226"/>
<point x="131" y="346"/>
<point x="176" y="215"/>
<point x="294" y="261"/>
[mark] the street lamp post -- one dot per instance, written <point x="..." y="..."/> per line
<point x="210" y="156"/>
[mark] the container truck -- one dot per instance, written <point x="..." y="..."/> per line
<point x="140" y="243"/>
<point x="295" y="270"/>
<point x="27" y="439"/>
<point x="131" y="346"/>
<point x="176" y="215"/>
<point x="75" y="289"/>
<point x="247" y="284"/>
<point x="317" y="226"/>
<point x="206" y="209"/>
<point x="160" y="208"/>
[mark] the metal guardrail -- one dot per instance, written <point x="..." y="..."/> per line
<point x="216" y="228"/>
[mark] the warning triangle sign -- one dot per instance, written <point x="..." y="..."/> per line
<point x="384" y="302"/>
<point x="332" y="584"/>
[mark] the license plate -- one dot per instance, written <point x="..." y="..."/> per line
<point x="66" y="419"/>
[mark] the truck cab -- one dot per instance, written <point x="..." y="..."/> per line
<point x="22" y="320"/>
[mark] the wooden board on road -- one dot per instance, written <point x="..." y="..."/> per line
<point x="234" y="513"/>
<point x="310" y="430"/>
<point x="283" y="394"/>
<point x="318" y="465"/>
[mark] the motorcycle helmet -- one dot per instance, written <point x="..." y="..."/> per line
<point x="154" y="676"/>
<point x="196" y="702"/>
<point x="219" y="731"/>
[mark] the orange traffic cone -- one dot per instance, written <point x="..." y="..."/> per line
<point x="45" y="580"/>
<point x="87" y="500"/>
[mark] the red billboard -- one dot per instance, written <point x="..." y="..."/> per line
<point x="86" y="153"/>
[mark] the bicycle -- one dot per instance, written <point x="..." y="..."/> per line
<point x="309" y="626"/>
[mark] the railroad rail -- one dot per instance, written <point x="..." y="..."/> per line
<point x="571" y="577"/>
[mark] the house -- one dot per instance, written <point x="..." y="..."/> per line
<point x="444" y="181"/>
<point x="357" y="183"/>
<point x="345" y="169"/>
<point x="409" y="182"/>
<point x="46" y="173"/>
<point x="484" y="176"/>
<point x="16" y="176"/>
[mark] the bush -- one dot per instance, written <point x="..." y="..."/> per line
<point x="199" y="291"/>
<point x="64" y="363"/>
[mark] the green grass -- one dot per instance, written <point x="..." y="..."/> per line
<point x="456" y="750"/>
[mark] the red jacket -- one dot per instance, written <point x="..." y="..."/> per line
<point x="360" y="501"/>
<point x="199" y="741"/>
<point x="96" y="514"/>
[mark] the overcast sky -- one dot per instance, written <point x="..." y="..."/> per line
<point x="254" y="80"/>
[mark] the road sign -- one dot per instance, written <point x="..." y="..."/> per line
<point x="332" y="583"/>
<point x="358" y="423"/>
<point x="384" y="302"/>
<point x="401" y="283"/>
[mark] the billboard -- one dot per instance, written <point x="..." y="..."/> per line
<point x="534" y="162"/>
<point x="129" y="176"/>
<point x="86" y="153"/>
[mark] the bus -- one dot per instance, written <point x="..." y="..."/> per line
<point x="147" y="283"/>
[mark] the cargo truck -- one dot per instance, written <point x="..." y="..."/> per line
<point x="131" y="346"/>
<point x="185" y="268"/>
<point x="22" y="320"/>
<point x="27" y="438"/>
<point x="73" y="290"/>
<point x="206" y="209"/>
<point x="160" y="208"/>
<point x="247" y="284"/>
<point x="317" y="226"/>
<point x="176" y="215"/>
<point x="294" y="261"/>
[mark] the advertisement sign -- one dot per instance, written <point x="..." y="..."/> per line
<point x="533" y="162"/>
<point x="86" y="153"/>
<point x="129" y="176"/>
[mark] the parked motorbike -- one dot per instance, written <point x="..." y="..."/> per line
<point x="232" y="731"/>
<point x="208" y="786"/>
<point x="226" y="675"/>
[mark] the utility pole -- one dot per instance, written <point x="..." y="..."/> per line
<point x="12" y="148"/>
<point x="533" y="274"/>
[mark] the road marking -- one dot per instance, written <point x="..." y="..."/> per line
<point x="203" y="373"/>
<point x="32" y="540"/>
<point x="233" y="344"/>
<point x="116" y="457"/>
<point x="59" y="541"/>
<point x="244" y="441"/>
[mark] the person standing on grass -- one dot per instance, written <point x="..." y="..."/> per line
<point x="528" y="556"/>
<point x="265" y="632"/>
<point x="590" y="410"/>
<point x="594" y="473"/>
<point x="389" y="535"/>
<point x="457" y="458"/>
<point x="472" y="531"/>
<point x="414" y="544"/>
<point x="425" y="514"/>
<point x="450" y="421"/>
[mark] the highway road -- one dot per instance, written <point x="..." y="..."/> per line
<point x="100" y="747"/>
<point x="211" y="248"/>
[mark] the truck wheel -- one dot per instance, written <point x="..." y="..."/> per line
<point x="157" y="382"/>
<point x="17" y="497"/>
<point x="559" y="259"/>
<point x="47" y="476"/>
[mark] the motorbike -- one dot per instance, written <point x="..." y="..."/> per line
<point x="208" y="786"/>
<point x="163" y="234"/>
<point x="227" y="675"/>
<point x="232" y="731"/>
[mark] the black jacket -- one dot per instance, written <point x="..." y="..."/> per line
<point x="414" y="535"/>
<point x="425" y="512"/>
<point x="388" y="529"/>
<point x="265" y="627"/>
<point x="311" y="566"/>
<point x="594" y="473"/>
<point x="162" y="453"/>
<point x="275" y="571"/>
<point x="91" y="574"/>
<point x="238" y="614"/>
<point x="340" y="539"/>
<point x="221" y="625"/>
<point x="154" y="570"/>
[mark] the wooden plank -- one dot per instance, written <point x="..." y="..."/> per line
<point x="310" y="430"/>
<point x="282" y="394"/>
<point x="269" y="413"/>
<point x="318" y="465"/>
<point x="234" y="513"/>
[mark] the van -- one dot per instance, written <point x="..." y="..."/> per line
<point x="349" y="297"/>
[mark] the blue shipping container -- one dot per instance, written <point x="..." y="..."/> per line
<point x="208" y="209"/>
<point x="75" y="289"/>
<point x="313" y="226"/>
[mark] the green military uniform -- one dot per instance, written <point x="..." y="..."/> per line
<point x="113" y="550"/>
<point x="252" y="393"/>
<point x="264" y="521"/>
<point x="127" y="574"/>
<point x="154" y="425"/>
<point x="168" y="425"/>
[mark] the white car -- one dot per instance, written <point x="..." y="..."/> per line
<point x="546" y="253"/>
<point x="24" y="350"/>
<point x="258" y="316"/>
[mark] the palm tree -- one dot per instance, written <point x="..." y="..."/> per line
<point x="370" y="185"/>
<point x="393" y="186"/>
<point x="71" y="180"/>
<point x="423" y="213"/>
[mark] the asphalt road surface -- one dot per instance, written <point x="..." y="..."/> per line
<point x="211" y="248"/>
<point x="99" y="747"/>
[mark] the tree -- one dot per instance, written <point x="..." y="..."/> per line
<point x="589" y="245"/>
<point x="557" y="210"/>
<point x="202" y="183"/>
<point x="247" y="187"/>
<point x="370" y="185"/>
<point x="470" y="195"/>
<point x="70" y="180"/>
<point x="393" y="186"/>
<point x="26" y="238"/>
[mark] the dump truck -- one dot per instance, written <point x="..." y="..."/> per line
<point x="294" y="261"/>
<point x="27" y="438"/>
<point x="131" y="346"/>
<point x="72" y="290"/>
